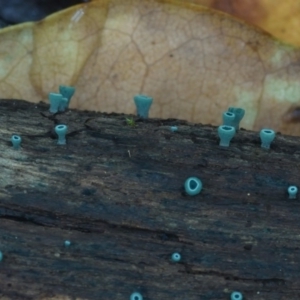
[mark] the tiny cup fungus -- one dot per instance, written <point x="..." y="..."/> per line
<point x="226" y="133"/>
<point x="63" y="105"/>
<point x="55" y="100"/>
<point x="236" y="296"/>
<point x="193" y="186"/>
<point x="61" y="131"/>
<point x="266" y="136"/>
<point x="143" y="104"/>
<point x="292" y="191"/>
<point x="136" y="296"/>
<point x="228" y="118"/>
<point x="67" y="92"/>
<point x="239" y="115"/>
<point x="176" y="257"/>
<point x="16" y="141"/>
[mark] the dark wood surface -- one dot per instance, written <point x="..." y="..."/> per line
<point x="116" y="192"/>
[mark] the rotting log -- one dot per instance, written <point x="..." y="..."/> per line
<point x="116" y="192"/>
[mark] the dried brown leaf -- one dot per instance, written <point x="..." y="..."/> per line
<point x="193" y="61"/>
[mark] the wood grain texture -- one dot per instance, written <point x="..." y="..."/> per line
<point x="116" y="192"/>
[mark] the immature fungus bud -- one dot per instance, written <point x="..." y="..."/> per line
<point x="193" y="186"/>
<point x="176" y="257"/>
<point x="292" y="190"/>
<point x="1" y="256"/>
<point x="67" y="92"/>
<point x="136" y="296"/>
<point x="267" y="136"/>
<point x="239" y="115"/>
<point x="143" y="104"/>
<point x="67" y="243"/>
<point x="173" y="128"/>
<point x="55" y="100"/>
<point x="226" y="133"/>
<point x="236" y="296"/>
<point x="61" y="131"/>
<point x="228" y="118"/>
<point x="16" y="141"/>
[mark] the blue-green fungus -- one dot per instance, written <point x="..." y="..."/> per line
<point x="1" y="255"/>
<point x="16" y="141"/>
<point x="67" y="92"/>
<point x="67" y="243"/>
<point x="193" y="186"/>
<point x="61" y="131"/>
<point x="176" y="257"/>
<point x="239" y="115"/>
<point x="292" y="191"/>
<point x="266" y="136"/>
<point x="143" y="104"/>
<point x="236" y="296"/>
<point x="228" y="118"/>
<point x="55" y="100"/>
<point x="173" y="128"/>
<point x="136" y="296"/>
<point x="63" y="105"/>
<point x="226" y="133"/>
